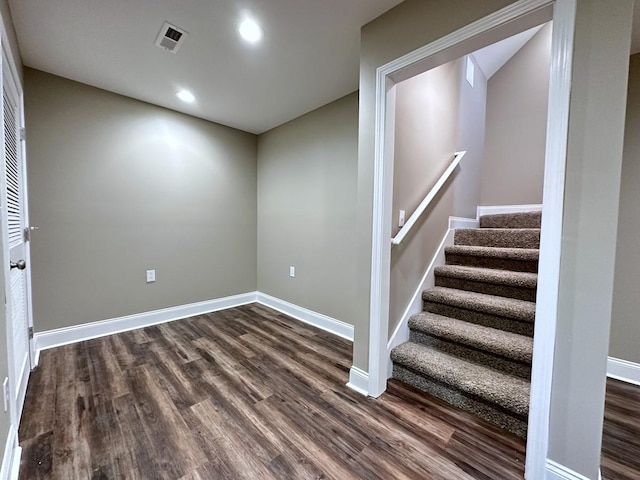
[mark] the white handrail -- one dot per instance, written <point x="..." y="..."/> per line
<point x="427" y="200"/>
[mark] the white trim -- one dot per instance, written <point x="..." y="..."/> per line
<point x="497" y="209"/>
<point x="415" y="216"/>
<point x="520" y="11"/>
<point x="358" y="380"/>
<point x="623" y="370"/>
<point x="458" y="222"/>
<point x="401" y="333"/>
<point x="329" y="324"/>
<point x="556" y="471"/>
<point x="21" y="390"/>
<point x="551" y="237"/>
<point x="11" y="459"/>
<point x="88" y="331"/>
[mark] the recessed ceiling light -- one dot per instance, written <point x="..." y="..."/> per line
<point x="186" y="96"/>
<point x="250" y="31"/>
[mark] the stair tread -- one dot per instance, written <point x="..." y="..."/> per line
<point x="498" y="237"/>
<point x="528" y="254"/>
<point x="481" y="302"/>
<point x="507" y="391"/>
<point x="506" y="344"/>
<point x="506" y="231"/>
<point x="489" y="275"/>
<point x="512" y="220"/>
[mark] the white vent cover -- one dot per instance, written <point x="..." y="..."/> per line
<point x="170" y="37"/>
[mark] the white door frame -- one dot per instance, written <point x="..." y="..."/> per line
<point x="8" y="67"/>
<point x="515" y="16"/>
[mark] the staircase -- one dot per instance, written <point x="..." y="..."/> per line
<point x="472" y="344"/>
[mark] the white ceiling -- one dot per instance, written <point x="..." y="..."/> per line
<point x="492" y="58"/>
<point x="310" y="55"/>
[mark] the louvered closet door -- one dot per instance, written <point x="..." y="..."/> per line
<point x="14" y="218"/>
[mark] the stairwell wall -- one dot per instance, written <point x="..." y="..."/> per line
<point x="517" y="98"/>
<point x="410" y="25"/>
<point x="625" y="323"/>
<point x="437" y="113"/>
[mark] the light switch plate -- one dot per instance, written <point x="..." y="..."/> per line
<point x="292" y="272"/>
<point x="151" y="276"/>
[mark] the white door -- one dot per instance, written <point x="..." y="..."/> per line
<point x="15" y="247"/>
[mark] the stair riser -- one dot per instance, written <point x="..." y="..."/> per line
<point x="493" y="321"/>
<point x="525" y="220"/>
<point x="472" y="354"/>
<point x="519" y="293"/>
<point x="504" y="238"/>
<point x="488" y="262"/>
<point x="493" y="414"/>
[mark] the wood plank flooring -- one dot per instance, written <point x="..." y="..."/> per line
<point x="621" y="432"/>
<point x="246" y="393"/>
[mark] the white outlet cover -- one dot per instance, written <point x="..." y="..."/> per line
<point x="151" y="276"/>
<point x="292" y="272"/>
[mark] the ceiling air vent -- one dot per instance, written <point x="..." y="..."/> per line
<point x="170" y="37"/>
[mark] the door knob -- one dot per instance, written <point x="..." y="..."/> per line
<point x="20" y="265"/>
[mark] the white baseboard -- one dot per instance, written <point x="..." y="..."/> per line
<point x="497" y="209"/>
<point x="358" y="381"/>
<point x="556" y="471"/>
<point x="21" y="391"/>
<point x="623" y="370"/>
<point x="401" y="332"/>
<point x="458" y="222"/>
<point x="11" y="459"/>
<point x="329" y="324"/>
<point x="88" y="331"/>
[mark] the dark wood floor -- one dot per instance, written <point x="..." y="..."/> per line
<point x="243" y="393"/>
<point x="621" y="433"/>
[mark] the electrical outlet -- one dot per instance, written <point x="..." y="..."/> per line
<point x="5" y="393"/>
<point x="401" y="219"/>
<point x="151" y="276"/>
<point x="292" y="272"/>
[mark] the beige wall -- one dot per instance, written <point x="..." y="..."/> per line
<point x="625" y="320"/>
<point x="437" y="113"/>
<point x="117" y="187"/>
<point x="307" y="209"/>
<point x="517" y="97"/>
<point x="592" y="191"/>
<point x="426" y="128"/>
<point x="471" y="138"/>
<point x="410" y="25"/>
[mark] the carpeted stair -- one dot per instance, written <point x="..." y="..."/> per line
<point x="472" y="345"/>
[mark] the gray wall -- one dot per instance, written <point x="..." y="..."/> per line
<point x="410" y="25"/>
<point x="5" y="421"/>
<point x="517" y="97"/>
<point x="307" y="209"/>
<point x="117" y="187"/>
<point x="625" y="320"/>
<point x="471" y="138"/>
<point x="592" y="191"/>
<point x="437" y="113"/>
